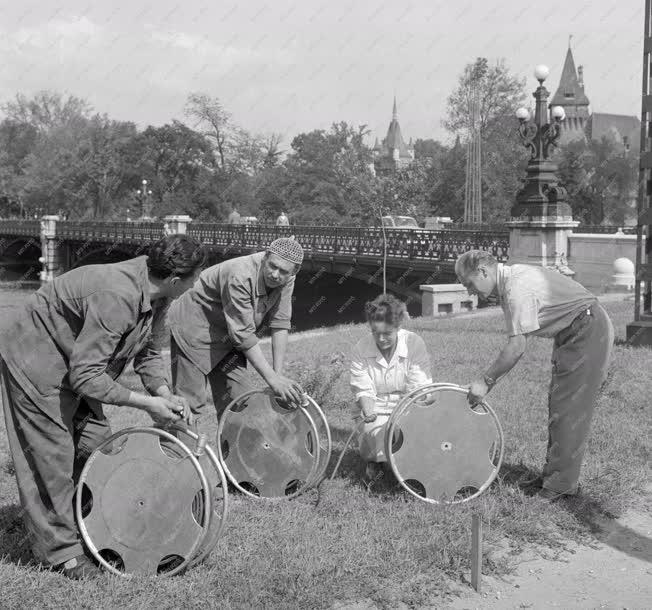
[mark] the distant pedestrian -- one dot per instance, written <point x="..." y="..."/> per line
<point x="234" y="217"/>
<point x="282" y="220"/>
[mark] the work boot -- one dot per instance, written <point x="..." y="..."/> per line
<point x="550" y="495"/>
<point x="532" y="485"/>
<point x="78" y="568"/>
<point x="373" y="472"/>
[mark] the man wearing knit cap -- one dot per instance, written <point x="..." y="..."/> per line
<point x="215" y="328"/>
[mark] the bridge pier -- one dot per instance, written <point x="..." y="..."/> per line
<point x="51" y="255"/>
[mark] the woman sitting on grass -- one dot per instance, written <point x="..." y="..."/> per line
<point x="385" y="365"/>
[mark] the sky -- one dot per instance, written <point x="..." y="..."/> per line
<point x="290" y="66"/>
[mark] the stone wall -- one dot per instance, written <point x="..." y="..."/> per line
<point x="592" y="256"/>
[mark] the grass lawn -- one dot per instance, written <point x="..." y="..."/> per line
<point x="381" y="545"/>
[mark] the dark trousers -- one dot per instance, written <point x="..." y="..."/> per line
<point x="580" y="362"/>
<point x="49" y="449"/>
<point x="227" y="381"/>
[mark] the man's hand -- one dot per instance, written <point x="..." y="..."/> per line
<point x="163" y="411"/>
<point x="427" y="400"/>
<point x="164" y="392"/>
<point x="188" y="417"/>
<point x="287" y="390"/>
<point x="368" y="416"/>
<point x="477" y="391"/>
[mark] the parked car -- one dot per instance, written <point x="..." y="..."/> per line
<point x="400" y="222"/>
<point x="248" y="220"/>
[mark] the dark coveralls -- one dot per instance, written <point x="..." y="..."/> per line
<point x="214" y="321"/>
<point x="60" y="356"/>
<point x="542" y="302"/>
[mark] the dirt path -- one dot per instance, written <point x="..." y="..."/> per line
<point x="614" y="576"/>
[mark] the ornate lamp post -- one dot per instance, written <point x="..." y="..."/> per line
<point x="542" y="220"/>
<point x="541" y="195"/>
<point x="144" y="198"/>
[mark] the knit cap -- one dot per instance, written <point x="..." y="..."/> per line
<point x="287" y="248"/>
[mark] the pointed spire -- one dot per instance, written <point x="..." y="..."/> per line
<point x="394" y="112"/>
<point x="569" y="92"/>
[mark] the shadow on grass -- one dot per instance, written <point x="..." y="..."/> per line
<point x="601" y="522"/>
<point x="14" y="541"/>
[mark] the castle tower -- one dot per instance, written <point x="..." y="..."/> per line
<point x="393" y="153"/>
<point x="571" y="97"/>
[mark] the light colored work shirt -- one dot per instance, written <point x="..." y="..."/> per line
<point x="226" y="309"/>
<point x="386" y="383"/>
<point x="78" y="333"/>
<point x="539" y="301"/>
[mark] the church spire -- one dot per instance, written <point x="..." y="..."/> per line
<point x="394" y="112"/>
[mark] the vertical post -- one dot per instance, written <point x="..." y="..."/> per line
<point x="476" y="552"/>
<point x="50" y="254"/>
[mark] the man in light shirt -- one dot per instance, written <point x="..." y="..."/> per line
<point x="541" y="302"/>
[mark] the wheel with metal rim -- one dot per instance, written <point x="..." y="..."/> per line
<point x="268" y="450"/>
<point x="134" y="504"/>
<point x="445" y="452"/>
<point x="324" y="439"/>
<point x="217" y="480"/>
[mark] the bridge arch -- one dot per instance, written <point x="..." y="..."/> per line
<point x="19" y="258"/>
<point x="104" y="255"/>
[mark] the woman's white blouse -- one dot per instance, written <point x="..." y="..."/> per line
<point x="408" y="369"/>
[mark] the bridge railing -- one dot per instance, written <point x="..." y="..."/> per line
<point x="127" y="231"/>
<point x="357" y="241"/>
<point x="20" y="226"/>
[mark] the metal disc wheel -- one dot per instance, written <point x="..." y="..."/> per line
<point x="268" y="450"/>
<point x="134" y="503"/>
<point x="441" y="449"/>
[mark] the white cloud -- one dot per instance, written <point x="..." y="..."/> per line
<point x="65" y="35"/>
<point x="224" y="54"/>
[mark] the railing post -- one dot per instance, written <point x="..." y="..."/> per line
<point x="50" y="252"/>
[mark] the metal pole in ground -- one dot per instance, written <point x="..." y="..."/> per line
<point x="476" y="552"/>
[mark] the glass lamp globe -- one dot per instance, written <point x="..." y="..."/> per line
<point x="558" y="113"/>
<point x="522" y="114"/>
<point x="541" y="72"/>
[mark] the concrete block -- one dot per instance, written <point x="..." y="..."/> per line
<point x="442" y="299"/>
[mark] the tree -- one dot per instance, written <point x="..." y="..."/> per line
<point x="172" y="157"/>
<point x="46" y="110"/>
<point x="503" y="157"/>
<point x="601" y="180"/>
<point x="214" y="122"/>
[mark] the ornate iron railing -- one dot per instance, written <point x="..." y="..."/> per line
<point x="418" y="245"/>
<point x="30" y="228"/>
<point x="356" y="241"/>
<point x="102" y="230"/>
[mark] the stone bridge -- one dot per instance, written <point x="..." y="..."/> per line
<point x="49" y="247"/>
